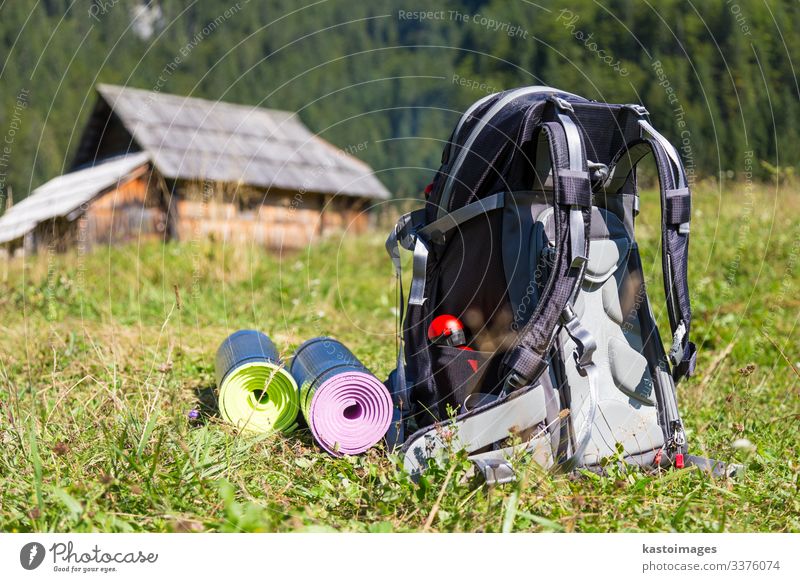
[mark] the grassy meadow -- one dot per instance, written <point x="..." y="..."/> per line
<point x="104" y="353"/>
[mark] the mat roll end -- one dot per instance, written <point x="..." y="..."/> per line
<point x="350" y="413"/>
<point x="256" y="393"/>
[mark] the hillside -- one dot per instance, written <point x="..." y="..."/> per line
<point x="388" y="80"/>
<point x="104" y="354"/>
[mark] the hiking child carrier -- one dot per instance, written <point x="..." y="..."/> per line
<point x="526" y="241"/>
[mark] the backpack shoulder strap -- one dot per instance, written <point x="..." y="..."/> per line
<point x="527" y="359"/>
<point x="676" y="211"/>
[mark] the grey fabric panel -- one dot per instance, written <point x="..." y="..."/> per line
<point x="627" y="412"/>
<point x="668" y="389"/>
<point x="625" y="206"/>
<point x="628" y="367"/>
<point x="553" y="408"/>
<point x="611" y="303"/>
<point x="537" y="447"/>
<point x="495" y="471"/>
<point x="475" y="430"/>
<point x="606" y="257"/>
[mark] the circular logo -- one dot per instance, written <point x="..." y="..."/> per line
<point x="31" y="555"/>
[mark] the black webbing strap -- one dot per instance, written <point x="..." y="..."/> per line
<point x="676" y="213"/>
<point x="572" y="214"/>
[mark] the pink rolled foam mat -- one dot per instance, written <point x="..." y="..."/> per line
<point x="347" y="408"/>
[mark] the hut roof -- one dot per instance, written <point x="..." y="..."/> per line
<point x="197" y="139"/>
<point x="65" y="195"/>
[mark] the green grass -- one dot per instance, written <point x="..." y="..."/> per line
<point x="100" y="363"/>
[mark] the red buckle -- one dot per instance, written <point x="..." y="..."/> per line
<point x="657" y="460"/>
<point x="679" y="460"/>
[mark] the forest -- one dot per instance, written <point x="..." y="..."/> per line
<point x="390" y="78"/>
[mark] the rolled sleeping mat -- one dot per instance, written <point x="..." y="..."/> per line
<point x="256" y="392"/>
<point x="347" y="408"/>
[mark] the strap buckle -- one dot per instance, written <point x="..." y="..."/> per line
<point x="585" y="344"/>
<point x="495" y="472"/>
<point x="676" y="352"/>
<point x="598" y="173"/>
<point x="639" y="110"/>
<point x="577" y="238"/>
<point x="514" y="382"/>
<point x="561" y="103"/>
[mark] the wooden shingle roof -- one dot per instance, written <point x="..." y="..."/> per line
<point x="198" y="139"/>
<point x="65" y="195"/>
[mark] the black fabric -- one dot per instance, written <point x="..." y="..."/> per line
<point x="675" y="261"/>
<point x="574" y="191"/>
<point x="605" y="128"/>
<point x="525" y="362"/>
<point x="678" y="209"/>
<point x="460" y="373"/>
<point x="488" y="166"/>
<point x="464" y="278"/>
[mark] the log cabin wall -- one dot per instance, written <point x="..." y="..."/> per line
<point x="235" y="214"/>
<point x="133" y="211"/>
<point x="345" y="213"/>
<point x="56" y="235"/>
<point x="272" y="218"/>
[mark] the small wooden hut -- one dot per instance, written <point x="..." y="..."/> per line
<point x="153" y="165"/>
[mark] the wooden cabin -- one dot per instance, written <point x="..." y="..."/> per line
<point x="157" y="166"/>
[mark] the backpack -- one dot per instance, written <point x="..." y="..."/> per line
<point x="525" y="249"/>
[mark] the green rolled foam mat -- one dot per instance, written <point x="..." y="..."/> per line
<point x="256" y="393"/>
<point x="260" y="397"/>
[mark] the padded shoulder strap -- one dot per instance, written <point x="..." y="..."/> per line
<point x="676" y="213"/>
<point x="572" y="215"/>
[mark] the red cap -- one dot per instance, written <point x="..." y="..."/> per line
<point x="447" y="329"/>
